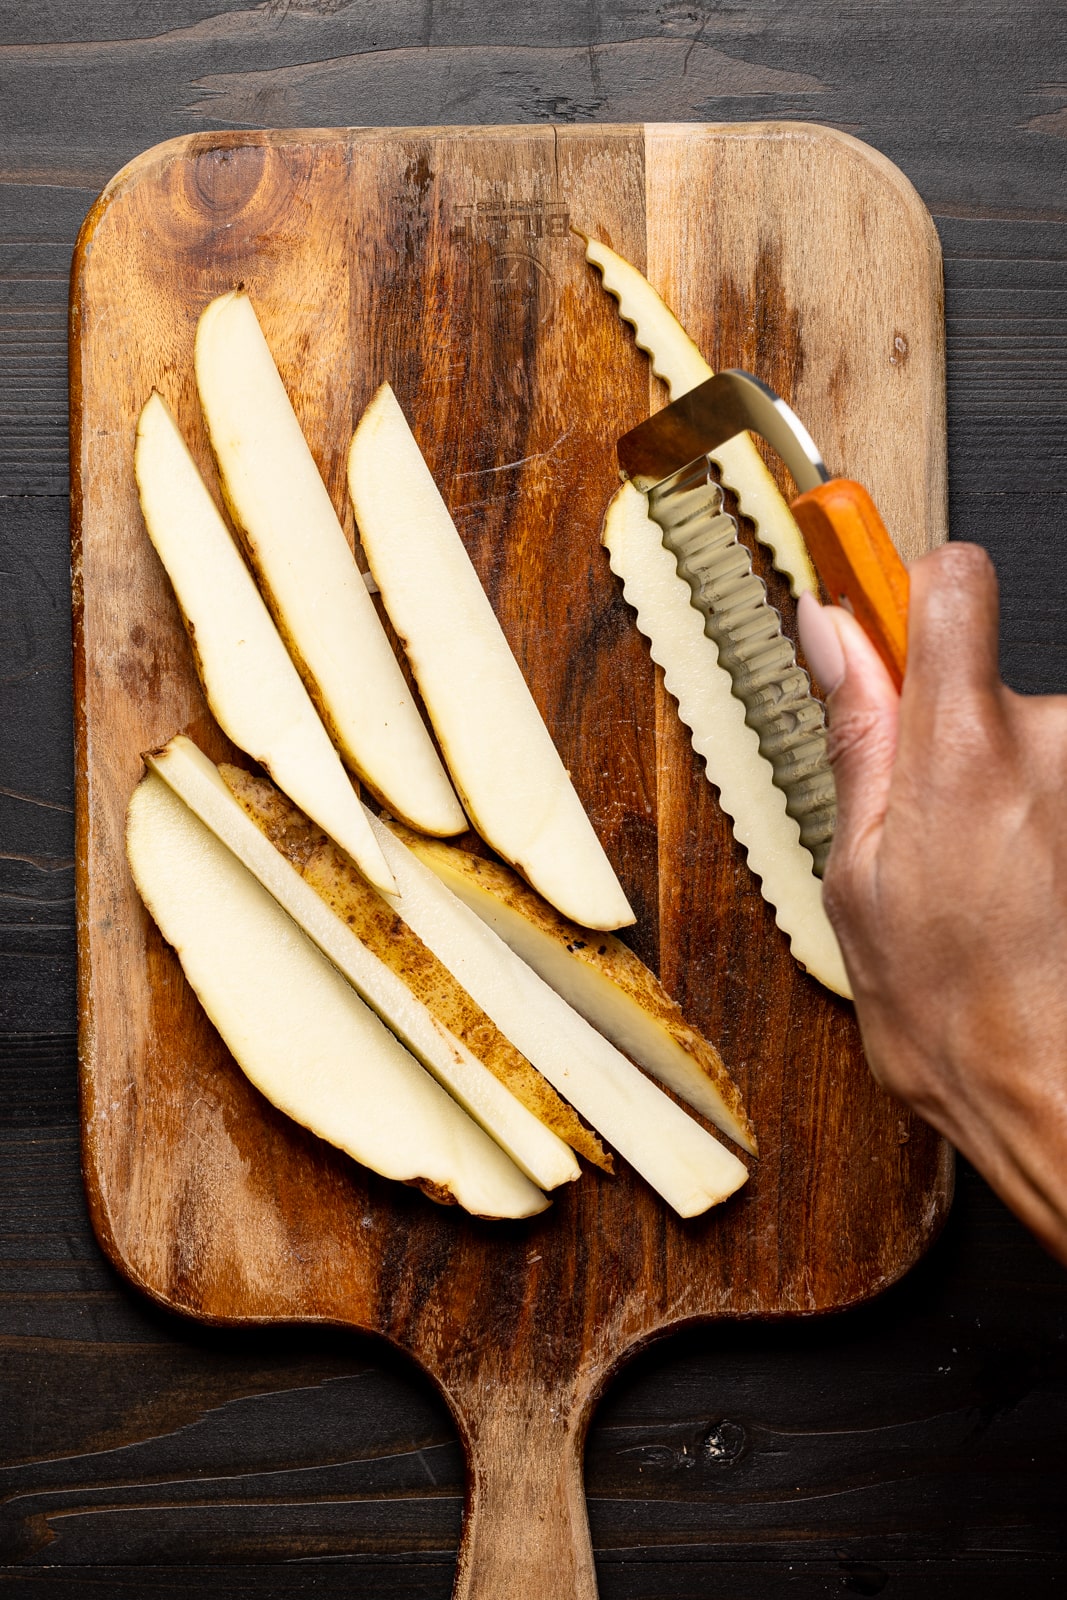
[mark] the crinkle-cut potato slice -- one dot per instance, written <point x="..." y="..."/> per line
<point x="676" y="359"/>
<point x="307" y="572"/>
<point x="535" y="1150"/>
<point x="509" y="774"/>
<point x="716" y="719"/>
<point x="297" y="1028"/>
<point x="382" y="929"/>
<point x="599" y="976"/>
<point x="250" y="683"/>
<point x="675" y="631"/>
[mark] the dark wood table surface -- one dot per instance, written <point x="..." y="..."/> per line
<point x="914" y="1447"/>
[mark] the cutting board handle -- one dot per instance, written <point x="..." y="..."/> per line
<point x="526" y="1531"/>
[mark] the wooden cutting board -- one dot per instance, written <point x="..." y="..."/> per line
<point x="443" y="259"/>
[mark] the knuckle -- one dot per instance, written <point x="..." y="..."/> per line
<point x="965" y="746"/>
<point x="968" y="750"/>
<point x="853" y="733"/>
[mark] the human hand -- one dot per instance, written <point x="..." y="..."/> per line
<point x="947" y="880"/>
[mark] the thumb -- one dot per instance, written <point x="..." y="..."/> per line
<point x="864" y="714"/>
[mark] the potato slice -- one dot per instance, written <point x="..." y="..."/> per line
<point x="535" y="1150"/>
<point x="250" y="683"/>
<point x="599" y="977"/>
<point x="670" y="1150"/>
<point x="508" y="772"/>
<point x="308" y="574"/>
<point x="379" y="928"/>
<point x="297" y="1028"/>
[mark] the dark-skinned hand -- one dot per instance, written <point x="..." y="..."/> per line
<point x="947" y="880"/>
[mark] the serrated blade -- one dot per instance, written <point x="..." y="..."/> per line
<point x="761" y="661"/>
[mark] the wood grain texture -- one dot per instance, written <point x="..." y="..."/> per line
<point x="442" y="259"/>
<point x="915" y="1438"/>
<point x="114" y="1407"/>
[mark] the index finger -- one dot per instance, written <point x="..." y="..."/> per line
<point x="951" y="700"/>
<point x="953" y="622"/>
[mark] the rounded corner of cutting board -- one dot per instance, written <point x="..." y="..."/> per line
<point x="885" y="172"/>
<point x="95" y="1183"/>
<point x="925" y="1235"/>
<point x="148" y="165"/>
<point x="141" y="168"/>
<point x="829" y="141"/>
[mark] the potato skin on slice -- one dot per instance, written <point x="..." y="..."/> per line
<point x="318" y="860"/>
<point x="306" y="571"/>
<point x="297" y="1028"/>
<point x="671" y="1150"/>
<point x="618" y="988"/>
<point x="535" y="1149"/>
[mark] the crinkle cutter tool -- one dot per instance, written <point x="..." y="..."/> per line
<point x="667" y="458"/>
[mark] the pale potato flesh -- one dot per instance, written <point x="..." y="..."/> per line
<point x="600" y="977"/>
<point x="308" y="573"/>
<point x="383" y="931"/>
<point x="251" y="684"/>
<point x="670" y="1150"/>
<point x="543" y="1157"/>
<point x="500" y="754"/>
<point x="297" y="1027"/>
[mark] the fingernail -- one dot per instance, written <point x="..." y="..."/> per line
<point x="819" y="641"/>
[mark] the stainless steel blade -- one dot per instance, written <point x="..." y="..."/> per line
<point x="705" y="417"/>
<point x="760" y="659"/>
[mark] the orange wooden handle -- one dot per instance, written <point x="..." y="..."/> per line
<point x="856" y="560"/>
